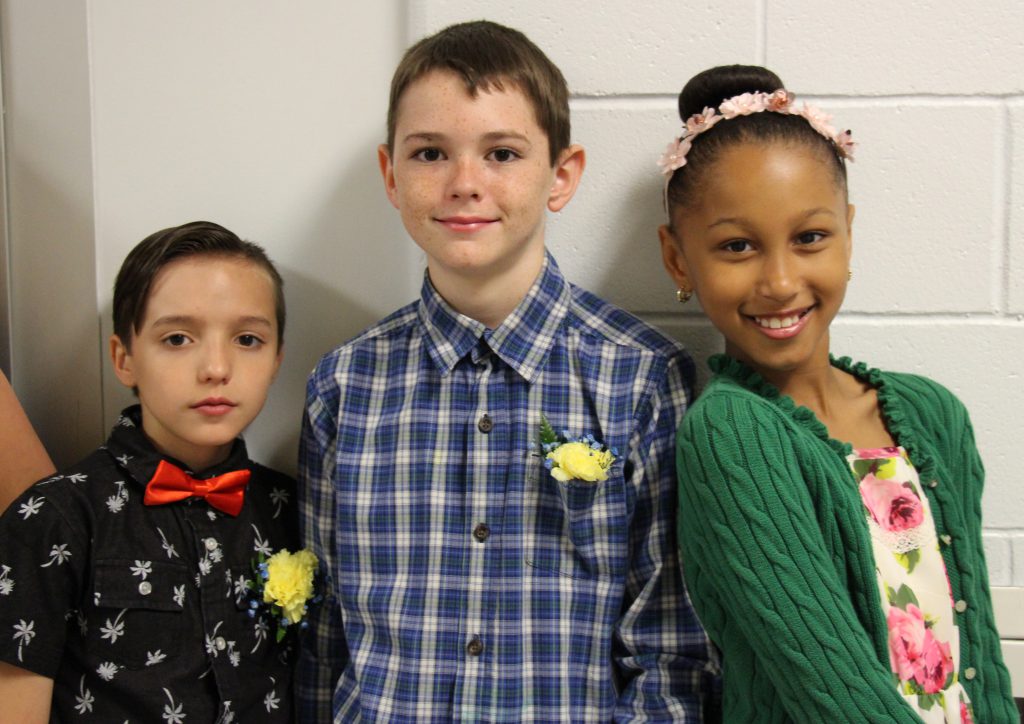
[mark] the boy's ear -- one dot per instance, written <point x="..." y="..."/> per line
<point x="387" y="170"/>
<point x="568" y="172"/>
<point x="673" y="259"/>
<point x="124" y="366"/>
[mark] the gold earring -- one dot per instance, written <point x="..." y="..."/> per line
<point x="683" y="295"/>
<point x="849" y="274"/>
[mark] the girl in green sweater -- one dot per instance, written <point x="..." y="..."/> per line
<point x="830" y="517"/>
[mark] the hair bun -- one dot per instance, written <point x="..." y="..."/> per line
<point x="709" y="88"/>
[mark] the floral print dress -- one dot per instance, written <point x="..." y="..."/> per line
<point x="924" y="641"/>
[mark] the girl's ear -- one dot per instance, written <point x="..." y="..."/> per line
<point x="124" y="366"/>
<point x="673" y="259"/>
<point x="277" y="362"/>
<point x="568" y="172"/>
<point x="851" y="211"/>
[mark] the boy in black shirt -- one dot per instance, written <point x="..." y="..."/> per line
<point x="127" y="588"/>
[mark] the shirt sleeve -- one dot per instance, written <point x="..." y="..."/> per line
<point x="322" y="651"/>
<point x="43" y="563"/>
<point x="669" y="668"/>
<point x="759" y="569"/>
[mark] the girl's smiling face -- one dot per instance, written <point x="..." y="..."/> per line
<point x="766" y="249"/>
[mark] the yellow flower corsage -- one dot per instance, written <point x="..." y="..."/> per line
<point x="581" y="458"/>
<point x="285" y="582"/>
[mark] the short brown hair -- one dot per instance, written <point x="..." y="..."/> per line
<point x="486" y="55"/>
<point x="198" y="238"/>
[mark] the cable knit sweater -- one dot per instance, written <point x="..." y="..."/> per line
<point x="778" y="557"/>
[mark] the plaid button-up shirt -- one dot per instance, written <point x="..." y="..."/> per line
<point x="464" y="581"/>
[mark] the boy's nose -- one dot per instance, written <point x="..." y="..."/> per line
<point x="464" y="181"/>
<point x="216" y="364"/>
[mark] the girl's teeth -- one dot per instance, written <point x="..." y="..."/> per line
<point x="777" y="322"/>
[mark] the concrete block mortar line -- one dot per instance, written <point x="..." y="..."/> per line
<point x="938" y="319"/>
<point x="761" y="37"/>
<point x="976" y="319"/>
<point x="1000" y="274"/>
<point x="655" y="101"/>
<point x="1006" y="207"/>
<point x="999" y="558"/>
<point x="623" y="101"/>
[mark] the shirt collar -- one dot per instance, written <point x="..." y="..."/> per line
<point x="523" y="340"/>
<point x="135" y="454"/>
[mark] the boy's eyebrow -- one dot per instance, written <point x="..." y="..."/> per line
<point x="173" y="320"/>
<point x="491" y="136"/>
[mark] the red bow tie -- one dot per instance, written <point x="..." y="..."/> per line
<point x="170" y="484"/>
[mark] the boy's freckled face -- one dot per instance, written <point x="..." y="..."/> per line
<point x="471" y="177"/>
<point x="204" y="357"/>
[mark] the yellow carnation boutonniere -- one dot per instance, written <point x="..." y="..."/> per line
<point x="284" y="588"/>
<point x="580" y="458"/>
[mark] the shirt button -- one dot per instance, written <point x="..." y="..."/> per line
<point x="482" y="532"/>
<point x="970" y="673"/>
<point x="485" y="424"/>
<point x="960" y="606"/>
<point x="211" y="544"/>
<point x="475" y="647"/>
<point x="145" y="588"/>
<point x="220" y="643"/>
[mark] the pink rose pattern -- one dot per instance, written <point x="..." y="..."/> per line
<point x="914" y="652"/>
<point x="894" y="506"/>
<point x="919" y="630"/>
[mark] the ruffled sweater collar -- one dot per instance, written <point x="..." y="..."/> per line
<point x="889" y="403"/>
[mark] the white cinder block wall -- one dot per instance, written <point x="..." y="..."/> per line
<point x="266" y="117"/>
<point x="934" y="93"/>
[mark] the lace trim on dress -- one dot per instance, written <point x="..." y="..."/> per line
<point x="903" y="541"/>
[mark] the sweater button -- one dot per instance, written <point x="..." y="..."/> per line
<point x="946" y="538"/>
<point x="960" y="606"/>
<point x="933" y="484"/>
<point x="970" y="672"/>
<point x="485" y="424"/>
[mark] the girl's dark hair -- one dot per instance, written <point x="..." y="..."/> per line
<point x="708" y="89"/>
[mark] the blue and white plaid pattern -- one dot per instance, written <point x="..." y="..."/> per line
<point x="569" y="604"/>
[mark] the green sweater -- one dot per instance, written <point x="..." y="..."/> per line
<point x="778" y="556"/>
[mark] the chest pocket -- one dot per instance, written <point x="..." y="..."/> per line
<point x="575" y="529"/>
<point x="136" y="617"/>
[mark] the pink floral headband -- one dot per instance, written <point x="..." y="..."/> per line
<point x="781" y="101"/>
